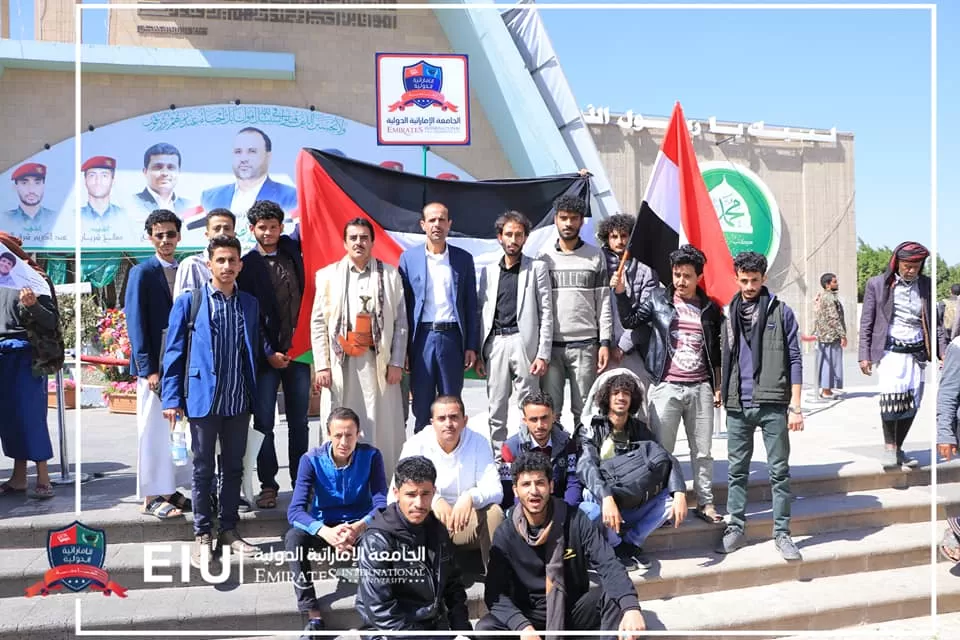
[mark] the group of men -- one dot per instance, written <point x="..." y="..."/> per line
<point x="210" y="338"/>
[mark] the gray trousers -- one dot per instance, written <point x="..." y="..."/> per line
<point x="579" y="366"/>
<point x="508" y="369"/>
<point x="693" y="404"/>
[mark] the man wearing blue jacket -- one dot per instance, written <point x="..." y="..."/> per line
<point x="208" y="374"/>
<point x="340" y="487"/>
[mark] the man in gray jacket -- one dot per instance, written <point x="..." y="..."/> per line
<point x="516" y="323"/>
<point x="948" y="412"/>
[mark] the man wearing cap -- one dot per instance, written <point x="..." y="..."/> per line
<point x="99" y="213"/>
<point x="30" y="216"/>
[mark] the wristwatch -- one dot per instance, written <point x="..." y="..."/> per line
<point x="795" y="410"/>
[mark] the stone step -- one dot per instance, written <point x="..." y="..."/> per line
<point x="687" y="571"/>
<point x="832" y="602"/>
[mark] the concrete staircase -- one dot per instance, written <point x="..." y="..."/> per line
<point x="865" y="535"/>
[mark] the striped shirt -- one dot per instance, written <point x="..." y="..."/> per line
<point x="229" y="353"/>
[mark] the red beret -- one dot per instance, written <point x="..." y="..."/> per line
<point x="447" y="176"/>
<point x="99" y="162"/>
<point x="30" y="169"/>
<point x="392" y="164"/>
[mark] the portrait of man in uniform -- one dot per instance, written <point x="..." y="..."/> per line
<point x="100" y="215"/>
<point x="29" y="216"/>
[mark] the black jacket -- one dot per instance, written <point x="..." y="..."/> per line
<point x="591" y="440"/>
<point x="516" y="576"/>
<point x="657" y="310"/>
<point x="423" y="593"/>
<point x="564" y="455"/>
<point x="254" y="278"/>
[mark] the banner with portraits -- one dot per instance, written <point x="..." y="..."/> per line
<point x="188" y="159"/>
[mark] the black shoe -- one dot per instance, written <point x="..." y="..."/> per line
<point x="787" y="548"/>
<point x="315" y="624"/>
<point x="244" y="506"/>
<point x="732" y="540"/>
<point x="631" y="556"/>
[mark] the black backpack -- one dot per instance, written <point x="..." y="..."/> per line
<point x="195" y="301"/>
<point x="637" y="476"/>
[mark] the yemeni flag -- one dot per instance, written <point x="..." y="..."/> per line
<point x="677" y="203"/>
<point x="333" y="189"/>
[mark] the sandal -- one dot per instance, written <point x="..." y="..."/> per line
<point x="41" y="492"/>
<point x="181" y="502"/>
<point x="708" y="513"/>
<point x="161" y="509"/>
<point x="950" y="546"/>
<point x="267" y="498"/>
<point x="7" y="489"/>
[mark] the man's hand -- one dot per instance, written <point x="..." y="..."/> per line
<point x="278" y="360"/>
<point x="27" y="297"/>
<point x="794" y="421"/>
<point x="394" y="374"/>
<point x="947" y="451"/>
<point x="460" y="515"/>
<point x="469" y="359"/>
<point x="679" y="508"/>
<point x="867" y="367"/>
<point x="324" y="378"/>
<point x="358" y="528"/>
<point x="616" y="355"/>
<point x="172" y="415"/>
<point x="603" y="357"/>
<point x="153" y="381"/>
<point x="338" y="536"/>
<point x="616" y="282"/>
<point x="843" y="342"/>
<point x="443" y="511"/>
<point x="611" y="514"/>
<point x="717" y="400"/>
<point x="539" y="367"/>
<point x="480" y="368"/>
<point x="529" y="633"/>
<point x="632" y="621"/>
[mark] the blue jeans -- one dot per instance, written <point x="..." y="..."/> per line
<point x="638" y="523"/>
<point x="232" y="433"/>
<point x="296" y="395"/>
<point x="436" y="369"/>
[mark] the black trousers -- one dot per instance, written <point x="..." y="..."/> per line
<point x="592" y="611"/>
<point x="895" y="431"/>
<point x="298" y="544"/>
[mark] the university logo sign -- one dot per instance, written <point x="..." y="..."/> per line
<point x="748" y="212"/>
<point x="423" y="83"/>
<point x="76" y="554"/>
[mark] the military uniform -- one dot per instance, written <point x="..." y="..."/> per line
<point x="16" y="221"/>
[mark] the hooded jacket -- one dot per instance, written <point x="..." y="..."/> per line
<point x="420" y="588"/>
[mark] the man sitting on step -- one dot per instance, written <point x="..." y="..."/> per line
<point x="340" y="487"/>
<point x="537" y="579"/>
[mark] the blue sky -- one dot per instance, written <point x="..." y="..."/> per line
<point x="863" y="71"/>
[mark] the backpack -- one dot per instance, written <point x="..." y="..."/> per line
<point x="46" y="343"/>
<point x="195" y="301"/>
<point x="637" y="476"/>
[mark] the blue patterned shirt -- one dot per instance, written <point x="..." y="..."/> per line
<point x="232" y="396"/>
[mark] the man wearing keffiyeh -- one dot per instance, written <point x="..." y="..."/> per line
<point x="895" y="334"/>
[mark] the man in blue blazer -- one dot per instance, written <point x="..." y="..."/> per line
<point x="252" y="150"/>
<point x="147" y="306"/>
<point x="209" y="375"/>
<point x="440" y="287"/>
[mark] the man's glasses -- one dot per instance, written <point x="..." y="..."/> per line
<point x="166" y="235"/>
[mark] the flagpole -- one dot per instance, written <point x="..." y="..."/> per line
<point x="425" y="149"/>
<point x="623" y="263"/>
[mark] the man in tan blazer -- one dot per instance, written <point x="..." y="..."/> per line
<point x="359" y="338"/>
<point x="516" y="323"/>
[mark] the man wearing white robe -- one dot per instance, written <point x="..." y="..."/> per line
<point x="360" y="365"/>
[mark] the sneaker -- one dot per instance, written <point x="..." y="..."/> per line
<point x="315" y="624"/>
<point x="787" y="548"/>
<point x="244" y="506"/>
<point x="202" y="552"/>
<point x="626" y="553"/>
<point x="732" y="540"/>
<point x="906" y="462"/>
<point x="890" y="460"/>
<point x="237" y="544"/>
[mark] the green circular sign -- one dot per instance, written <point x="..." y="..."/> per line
<point x="748" y="213"/>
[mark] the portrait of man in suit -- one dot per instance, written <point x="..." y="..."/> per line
<point x="252" y="152"/>
<point x="161" y="170"/>
<point x="516" y="315"/>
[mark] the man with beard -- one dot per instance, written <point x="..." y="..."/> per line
<point x="359" y="338"/>
<point x="30" y="216"/>
<point x="517" y="323"/>
<point x="538" y="578"/>
<point x="582" y="321"/>
<point x="252" y="151"/>
<point x="147" y="305"/>
<point x="830" y="329"/>
<point x="439" y="284"/>
<point x="762" y="376"/>
<point x="894" y="333"/>
<point x="412" y="581"/>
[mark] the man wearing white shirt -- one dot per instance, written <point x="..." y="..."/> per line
<point x="468" y="485"/>
<point x="161" y="171"/>
<point x="193" y="272"/>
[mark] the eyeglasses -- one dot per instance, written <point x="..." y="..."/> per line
<point x="166" y="235"/>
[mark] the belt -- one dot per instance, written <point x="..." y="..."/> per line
<point x="439" y="326"/>
<point x="577" y="343"/>
<point x="505" y="331"/>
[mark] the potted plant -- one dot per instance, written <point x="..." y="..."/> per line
<point x="121" y="391"/>
<point x="69" y="393"/>
<point x="121" y="396"/>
